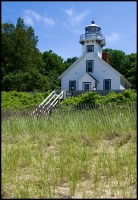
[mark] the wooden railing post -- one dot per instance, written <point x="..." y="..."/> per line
<point x="64" y="94"/>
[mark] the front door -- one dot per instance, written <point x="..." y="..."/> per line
<point x="86" y="86"/>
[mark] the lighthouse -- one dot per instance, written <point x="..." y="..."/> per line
<point x="92" y="40"/>
<point x="92" y="70"/>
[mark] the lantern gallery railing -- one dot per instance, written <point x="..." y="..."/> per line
<point x="99" y="36"/>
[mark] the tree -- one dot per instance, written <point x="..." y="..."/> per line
<point x="27" y="81"/>
<point x="20" y="58"/>
<point x="7" y="48"/>
<point x="52" y="62"/>
<point x="131" y="66"/>
<point x="19" y="51"/>
<point x="54" y="82"/>
<point x="125" y="64"/>
<point x="117" y="59"/>
<point x="69" y="62"/>
<point x="26" y="52"/>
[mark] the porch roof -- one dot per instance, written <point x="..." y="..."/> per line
<point x="94" y="78"/>
<point x="88" y="75"/>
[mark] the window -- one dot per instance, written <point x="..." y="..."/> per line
<point x="72" y="85"/>
<point x="88" y="30"/>
<point x="93" y="29"/>
<point x="90" y="48"/>
<point x="89" y="65"/>
<point x="107" y="84"/>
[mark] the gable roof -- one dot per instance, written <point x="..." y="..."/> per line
<point x="114" y="70"/>
<point x="94" y="78"/>
<point x="81" y="58"/>
<point x="71" y="66"/>
<point x="88" y="75"/>
<point x="126" y="81"/>
<point x="107" y="64"/>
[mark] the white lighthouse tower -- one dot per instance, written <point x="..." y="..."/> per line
<point x="92" y="40"/>
<point x="92" y="70"/>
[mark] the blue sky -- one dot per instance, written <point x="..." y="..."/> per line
<point x="59" y="24"/>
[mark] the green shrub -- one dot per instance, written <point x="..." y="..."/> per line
<point x="20" y="100"/>
<point x="128" y="96"/>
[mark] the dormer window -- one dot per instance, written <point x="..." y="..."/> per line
<point x="90" y="48"/>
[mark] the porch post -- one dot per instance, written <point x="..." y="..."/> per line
<point x="64" y="94"/>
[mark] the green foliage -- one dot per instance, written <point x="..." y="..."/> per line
<point x="14" y="99"/>
<point x="53" y="62"/>
<point x="21" y="100"/>
<point x="19" y="52"/>
<point x="117" y="60"/>
<point x="125" y="64"/>
<point x="69" y="62"/>
<point x="109" y="98"/>
<point x="131" y="69"/>
<point x="130" y="95"/>
<point x="20" y="59"/>
<point x="52" y="66"/>
<point x="28" y="81"/>
<point x="127" y="96"/>
<point x="53" y="80"/>
<point x="90" y="97"/>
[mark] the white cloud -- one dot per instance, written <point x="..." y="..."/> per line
<point x="48" y="21"/>
<point x="30" y="17"/>
<point x="114" y="37"/>
<point x="69" y="12"/>
<point x="34" y="15"/>
<point x="74" y="17"/>
<point x="28" y="20"/>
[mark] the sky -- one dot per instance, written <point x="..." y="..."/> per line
<point x="59" y="24"/>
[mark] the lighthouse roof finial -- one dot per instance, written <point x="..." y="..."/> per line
<point x="93" y="22"/>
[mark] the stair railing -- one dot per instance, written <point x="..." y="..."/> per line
<point x="47" y="104"/>
<point x="56" y="100"/>
<point x="48" y="97"/>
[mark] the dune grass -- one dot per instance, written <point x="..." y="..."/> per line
<point x="70" y="154"/>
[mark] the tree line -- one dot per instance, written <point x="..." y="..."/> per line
<point x="25" y="68"/>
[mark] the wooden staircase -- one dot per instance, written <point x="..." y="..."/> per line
<point x="45" y="108"/>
